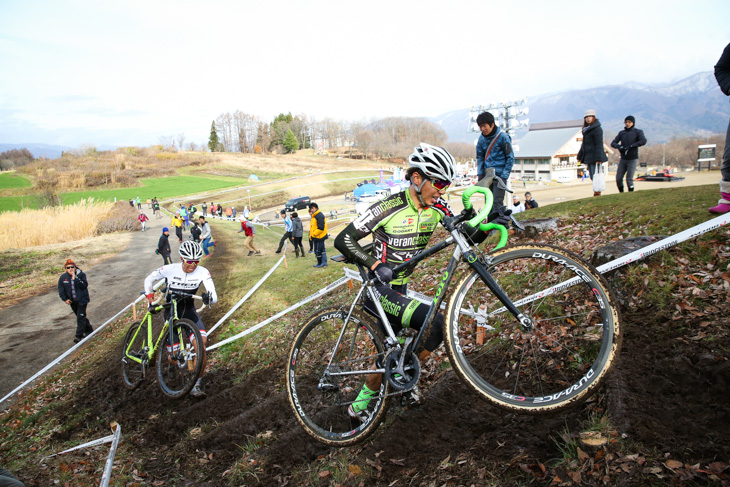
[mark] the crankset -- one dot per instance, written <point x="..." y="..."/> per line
<point x="402" y="370"/>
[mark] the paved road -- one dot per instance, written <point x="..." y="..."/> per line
<point x="36" y="331"/>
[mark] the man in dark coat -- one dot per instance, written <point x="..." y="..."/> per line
<point x="163" y="246"/>
<point x="73" y="290"/>
<point x="628" y="142"/>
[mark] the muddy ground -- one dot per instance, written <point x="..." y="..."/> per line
<point x="667" y="399"/>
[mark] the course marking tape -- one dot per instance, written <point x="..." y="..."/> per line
<point x="643" y="252"/>
<point x="72" y="349"/>
<point x="339" y="282"/>
<point x="248" y="294"/>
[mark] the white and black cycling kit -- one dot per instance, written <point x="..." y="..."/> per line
<point x="186" y="283"/>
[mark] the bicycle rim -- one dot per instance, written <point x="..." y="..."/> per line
<point x="563" y="359"/>
<point x="318" y="395"/>
<point x="179" y="365"/>
<point x="134" y="344"/>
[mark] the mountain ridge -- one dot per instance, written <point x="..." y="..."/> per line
<point x="692" y="106"/>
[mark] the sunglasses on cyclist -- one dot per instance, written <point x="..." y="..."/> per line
<point x="440" y="184"/>
<point x="70" y="266"/>
<point x="192" y="261"/>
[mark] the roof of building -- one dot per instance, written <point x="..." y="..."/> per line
<point x="545" y="142"/>
<point x="556" y="125"/>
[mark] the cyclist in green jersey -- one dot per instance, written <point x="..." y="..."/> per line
<point x="401" y="226"/>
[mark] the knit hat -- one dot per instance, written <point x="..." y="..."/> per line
<point x="631" y="119"/>
<point x="590" y="113"/>
<point x="69" y="262"/>
<point x="165" y="229"/>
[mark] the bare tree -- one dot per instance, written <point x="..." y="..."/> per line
<point x="167" y="142"/>
<point x="181" y="140"/>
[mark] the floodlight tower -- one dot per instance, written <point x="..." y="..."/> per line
<point x="507" y="114"/>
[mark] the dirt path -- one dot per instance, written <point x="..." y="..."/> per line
<point x="36" y="331"/>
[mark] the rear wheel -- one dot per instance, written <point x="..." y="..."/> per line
<point x="573" y="344"/>
<point x="134" y="356"/>
<point x="179" y="364"/>
<point x="323" y="379"/>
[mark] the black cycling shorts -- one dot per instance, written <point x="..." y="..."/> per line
<point x="404" y="312"/>
<point x="186" y="309"/>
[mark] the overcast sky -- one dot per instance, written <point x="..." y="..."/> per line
<point x="125" y="73"/>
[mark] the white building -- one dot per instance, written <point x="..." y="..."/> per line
<point x="549" y="152"/>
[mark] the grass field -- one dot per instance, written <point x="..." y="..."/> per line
<point x="162" y="188"/>
<point x="13" y="180"/>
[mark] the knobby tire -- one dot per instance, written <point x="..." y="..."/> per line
<point x="320" y="400"/>
<point x="177" y="373"/>
<point x="563" y="359"/>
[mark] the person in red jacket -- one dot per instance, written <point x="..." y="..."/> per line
<point x="142" y="219"/>
<point x="250" y="232"/>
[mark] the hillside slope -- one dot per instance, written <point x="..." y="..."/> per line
<point x="664" y="407"/>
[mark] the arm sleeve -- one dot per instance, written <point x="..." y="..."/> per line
<point x="347" y="243"/>
<point x="642" y="139"/>
<point x="210" y="287"/>
<point x="150" y="280"/>
<point x="480" y="156"/>
<point x="614" y="142"/>
<point x="509" y="157"/>
<point x="61" y="289"/>
<point x="81" y="279"/>
<point x="600" y="154"/>
<point x="722" y="71"/>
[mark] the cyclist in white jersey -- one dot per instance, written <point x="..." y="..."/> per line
<point x="186" y="277"/>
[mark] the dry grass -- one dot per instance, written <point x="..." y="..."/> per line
<point x="30" y="228"/>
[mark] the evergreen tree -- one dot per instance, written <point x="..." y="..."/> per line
<point x="213" y="143"/>
<point x="290" y="142"/>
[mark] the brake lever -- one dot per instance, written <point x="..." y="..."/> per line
<point x="516" y="223"/>
<point x="502" y="184"/>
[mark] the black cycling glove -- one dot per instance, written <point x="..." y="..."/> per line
<point x="501" y="216"/>
<point x="206" y="298"/>
<point x="383" y="273"/>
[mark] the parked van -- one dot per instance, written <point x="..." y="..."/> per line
<point x="299" y="203"/>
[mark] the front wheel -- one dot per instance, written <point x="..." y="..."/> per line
<point x="134" y="356"/>
<point x="179" y="364"/>
<point x="573" y="343"/>
<point x="326" y="371"/>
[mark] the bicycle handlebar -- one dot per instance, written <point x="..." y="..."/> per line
<point x="484" y="213"/>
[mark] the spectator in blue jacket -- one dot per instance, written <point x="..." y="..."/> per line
<point x="494" y="149"/>
<point x="288" y="229"/>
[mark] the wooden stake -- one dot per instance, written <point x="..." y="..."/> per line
<point x="134" y="312"/>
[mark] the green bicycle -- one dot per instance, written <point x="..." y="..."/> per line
<point x="531" y="328"/>
<point x="181" y="361"/>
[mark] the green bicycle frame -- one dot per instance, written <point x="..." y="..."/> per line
<point x="148" y="320"/>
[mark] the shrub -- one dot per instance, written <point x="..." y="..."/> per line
<point x="121" y="218"/>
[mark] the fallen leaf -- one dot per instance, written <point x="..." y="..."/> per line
<point x="673" y="464"/>
<point x="355" y="470"/>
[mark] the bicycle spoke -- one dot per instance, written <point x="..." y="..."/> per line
<point x="563" y="354"/>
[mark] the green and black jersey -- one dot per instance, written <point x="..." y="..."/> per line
<point x="399" y="231"/>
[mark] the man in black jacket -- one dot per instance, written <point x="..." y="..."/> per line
<point x="628" y="142"/>
<point x="163" y="246"/>
<point x="73" y="290"/>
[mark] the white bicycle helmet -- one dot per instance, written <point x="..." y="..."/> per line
<point x="190" y="250"/>
<point x="434" y="162"/>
